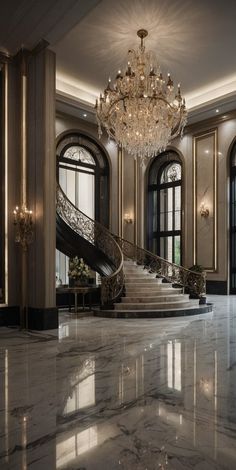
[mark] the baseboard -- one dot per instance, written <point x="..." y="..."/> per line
<point x="217" y="287"/>
<point x="42" y="318"/>
<point x="10" y="316"/>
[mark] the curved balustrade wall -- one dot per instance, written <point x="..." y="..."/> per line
<point x="99" y="237"/>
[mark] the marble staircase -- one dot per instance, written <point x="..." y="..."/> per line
<point x="146" y="294"/>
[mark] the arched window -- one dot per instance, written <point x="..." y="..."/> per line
<point x="83" y="174"/>
<point x="77" y="169"/>
<point x="233" y="220"/>
<point x="164" y="207"/>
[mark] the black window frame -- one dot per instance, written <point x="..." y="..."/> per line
<point x="158" y="166"/>
<point x="101" y="171"/>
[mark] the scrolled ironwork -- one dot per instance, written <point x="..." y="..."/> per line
<point x="194" y="283"/>
<point x="96" y="234"/>
<point x="116" y="248"/>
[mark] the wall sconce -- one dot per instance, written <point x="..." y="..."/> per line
<point x="24" y="226"/>
<point x="128" y="219"/>
<point x="204" y="211"/>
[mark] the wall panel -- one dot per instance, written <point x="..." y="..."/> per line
<point x="205" y="188"/>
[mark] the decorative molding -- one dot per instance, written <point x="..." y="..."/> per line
<point x="204" y="122"/>
<point x="196" y="216"/>
<point x="6" y="101"/>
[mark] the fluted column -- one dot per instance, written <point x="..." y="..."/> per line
<point x="41" y="189"/>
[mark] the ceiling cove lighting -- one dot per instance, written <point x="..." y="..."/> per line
<point x="141" y="110"/>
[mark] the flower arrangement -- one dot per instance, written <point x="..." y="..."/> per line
<point x="78" y="270"/>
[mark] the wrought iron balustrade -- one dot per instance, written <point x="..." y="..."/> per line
<point x="101" y="238"/>
<point x="115" y="248"/>
<point x="194" y="283"/>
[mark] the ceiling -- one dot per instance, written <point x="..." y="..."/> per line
<point x="193" y="40"/>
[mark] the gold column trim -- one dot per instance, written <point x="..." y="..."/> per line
<point x="23" y="141"/>
<point x="6" y="157"/>
<point x="196" y="138"/>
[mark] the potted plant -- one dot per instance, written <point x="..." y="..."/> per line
<point x="78" y="272"/>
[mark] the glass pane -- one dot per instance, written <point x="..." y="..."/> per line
<point x="166" y="248"/>
<point x="166" y="207"/>
<point x="62" y="179"/>
<point x="177" y="220"/>
<point x="85" y="194"/>
<point x="177" y="248"/>
<point x="170" y="199"/>
<point x="177" y="198"/>
<point x="67" y="182"/>
<point x="171" y="173"/>
<point x="80" y="154"/>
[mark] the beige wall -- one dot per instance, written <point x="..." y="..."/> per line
<point x="226" y="132"/>
<point x="131" y="180"/>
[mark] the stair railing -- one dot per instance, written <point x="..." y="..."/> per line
<point x="111" y="286"/>
<point x="193" y="283"/>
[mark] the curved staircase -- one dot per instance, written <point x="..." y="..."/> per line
<point x="144" y="285"/>
<point x="148" y="296"/>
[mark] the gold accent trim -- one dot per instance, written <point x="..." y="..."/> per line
<point x="6" y="157"/>
<point x="23" y="142"/>
<point x="120" y="191"/>
<point x="196" y="139"/>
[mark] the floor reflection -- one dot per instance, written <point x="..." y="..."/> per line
<point x="121" y="394"/>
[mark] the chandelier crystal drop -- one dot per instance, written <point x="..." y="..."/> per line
<point x="141" y="110"/>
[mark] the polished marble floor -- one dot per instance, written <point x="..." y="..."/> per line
<point x="110" y="394"/>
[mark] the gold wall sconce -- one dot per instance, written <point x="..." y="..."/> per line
<point x="204" y="211"/>
<point x="23" y="222"/>
<point x="128" y="219"/>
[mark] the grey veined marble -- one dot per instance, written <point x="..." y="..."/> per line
<point x="111" y="394"/>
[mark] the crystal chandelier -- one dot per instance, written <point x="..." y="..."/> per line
<point x="141" y="111"/>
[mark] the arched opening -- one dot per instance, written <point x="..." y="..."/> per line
<point x="233" y="220"/>
<point x="83" y="174"/>
<point x="165" y="207"/>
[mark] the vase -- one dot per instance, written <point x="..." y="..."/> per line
<point x="80" y="282"/>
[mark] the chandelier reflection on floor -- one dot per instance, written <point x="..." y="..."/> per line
<point x="141" y="110"/>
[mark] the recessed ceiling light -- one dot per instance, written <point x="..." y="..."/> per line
<point x="206" y="151"/>
<point x="85" y="115"/>
<point x="217" y="110"/>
